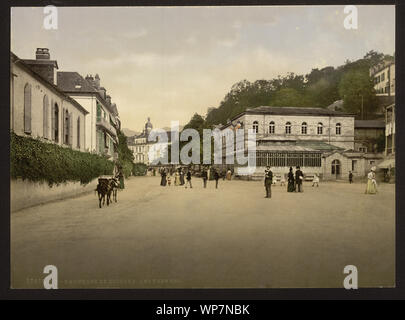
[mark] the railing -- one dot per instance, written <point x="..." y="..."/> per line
<point x="106" y="124"/>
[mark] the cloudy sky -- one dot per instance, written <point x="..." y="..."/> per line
<point x="170" y="62"/>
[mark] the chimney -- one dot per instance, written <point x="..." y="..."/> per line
<point x="42" y="54"/>
<point x="43" y="65"/>
<point x="90" y="80"/>
<point x="97" y="81"/>
<point x="108" y="99"/>
<point x="102" y="92"/>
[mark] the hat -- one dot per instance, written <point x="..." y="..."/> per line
<point x="297" y="167"/>
<point x="373" y="168"/>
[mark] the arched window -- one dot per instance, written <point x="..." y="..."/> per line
<point x="335" y="168"/>
<point x="272" y="127"/>
<point x="255" y="127"/>
<point x="66" y="128"/>
<point x="288" y="128"/>
<point x="27" y="108"/>
<point x="304" y="128"/>
<point x="338" y="128"/>
<point x="78" y="132"/>
<point x="320" y="128"/>
<point x="46" y="117"/>
<point x="55" y="122"/>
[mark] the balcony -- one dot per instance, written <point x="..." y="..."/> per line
<point x="101" y="122"/>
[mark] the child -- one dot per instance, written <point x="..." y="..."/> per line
<point x="282" y="180"/>
<point x="169" y="180"/>
<point x="315" y="180"/>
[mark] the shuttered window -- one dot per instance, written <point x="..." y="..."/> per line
<point x="46" y="117"/>
<point x="70" y="129"/>
<point x="78" y="132"/>
<point x="27" y="108"/>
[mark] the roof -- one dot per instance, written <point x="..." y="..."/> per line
<point x="73" y="82"/>
<point x="314" y="146"/>
<point x="387" y="163"/>
<point x="41" y="61"/>
<point x="296" y="111"/>
<point x="293" y="111"/>
<point x="380" y="124"/>
<point x="15" y="59"/>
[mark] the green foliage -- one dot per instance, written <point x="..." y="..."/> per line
<point x="125" y="155"/>
<point x="356" y="88"/>
<point x="318" y="89"/>
<point x="139" y="169"/>
<point x="39" y="161"/>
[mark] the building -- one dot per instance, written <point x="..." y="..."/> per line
<point x="320" y="141"/>
<point x="148" y="151"/>
<point x="383" y="76"/>
<point x="102" y="121"/>
<point x="39" y="109"/>
<point x="369" y="135"/>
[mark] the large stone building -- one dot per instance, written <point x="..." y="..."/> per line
<point x="368" y="134"/>
<point x="318" y="140"/>
<point x="383" y="76"/>
<point x="102" y="121"/>
<point x="149" y="152"/>
<point x="39" y="109"/>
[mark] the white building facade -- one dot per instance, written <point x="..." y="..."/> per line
<point x="307" y="137"/>
<point x="40" y="110"/>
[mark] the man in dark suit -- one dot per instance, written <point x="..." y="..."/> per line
<point x="268" y="180"/>
<point x="204" y="175"/>
<point x="299" y="177"/>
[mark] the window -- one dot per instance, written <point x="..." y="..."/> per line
<point x="255" y="127"/>
<point x="320" y="128"/>
<point x="66" y="127"/>
<point x="304" y="128"/>
<point x="288" y="128"/>
<point x="272" y="127"/>
<point x="45" y="116"/>
<point x="354" y="165"/>
<point x="383" y="76"/>
<point x="27" y="108"/>
<point x="55" y="122"/>
<point x="338" y="128"/>
<point x="78" y="132"/>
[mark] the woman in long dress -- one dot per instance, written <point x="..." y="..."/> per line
<point x="229" y="174"/>
<point x="290" y="185"/>
<point x="163" y="180"/>
<point x="181" y="177"/>
<point x="177" y="178"/>
<point x="371" y="182"/>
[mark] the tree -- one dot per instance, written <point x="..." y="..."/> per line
<point x="125" y="155"/>
<point x="357" y="90"/>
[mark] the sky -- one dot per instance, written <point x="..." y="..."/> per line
<point x="168" y="63"/>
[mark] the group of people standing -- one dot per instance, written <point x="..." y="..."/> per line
<point x="179" y="175"/>
<point x="294" y="183"/>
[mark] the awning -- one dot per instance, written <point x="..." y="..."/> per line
<point x="386" y="164"/>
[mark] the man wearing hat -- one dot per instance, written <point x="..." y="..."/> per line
<point x="268" y="180"/>
<point x="299" y="177"/>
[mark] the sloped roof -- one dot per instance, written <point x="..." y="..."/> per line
<point x="380" y="124"/>
<point x="296" y="111"/>
<point x="73" y="82"/>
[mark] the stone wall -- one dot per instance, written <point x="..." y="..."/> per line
<point x="24" y="194"/>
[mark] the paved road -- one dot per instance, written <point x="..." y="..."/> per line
<point x="205" y="238"/>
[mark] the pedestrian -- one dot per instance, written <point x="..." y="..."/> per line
<point x="223" y="173"/>
<point x="163" y="175"/>
<point x="177" y="178"/>
<point x="268" y="180"/>
<point x="299" y="177"/>
<point x="371" y="182"/>
<point x="282" y="180"/>
<point x="291" y="181"/>
<point x="121" y="177"/>
<point x="315" y="180"/>
<point x="350" y="177"/>
<point x="228" y="174"/>
<point x="188" y="178"/>
<point x="204" y="176"/>
<point x="169" y="180"/>
<point x="181" y="177"/>
<point x="216" y="177"/>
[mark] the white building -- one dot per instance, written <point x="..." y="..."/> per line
<point x="38" y="108"/>
<point x="102" y="120"/>
<point x="383" y="76"/>
<point x="318" y="140"/>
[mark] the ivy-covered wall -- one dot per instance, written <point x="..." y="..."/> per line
<point x="37" y="161"/>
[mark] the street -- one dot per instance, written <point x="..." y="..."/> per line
<point x="233" y="237"/>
